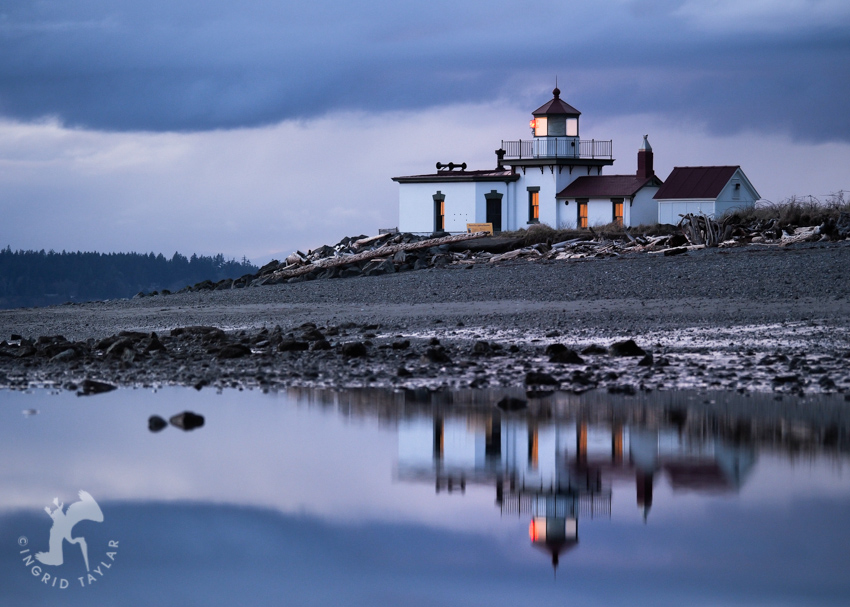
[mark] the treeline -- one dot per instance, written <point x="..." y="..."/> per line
<point x="39" y="278"/>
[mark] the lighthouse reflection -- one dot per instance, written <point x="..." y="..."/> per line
<point x="558" y="473"/>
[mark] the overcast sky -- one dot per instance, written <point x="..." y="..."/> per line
<point x="261" y="126"/>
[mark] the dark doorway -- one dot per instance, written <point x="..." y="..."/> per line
<point x="494" y="214"/>
<point x="494" y="210"/>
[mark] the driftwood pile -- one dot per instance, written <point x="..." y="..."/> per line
<point x="705" y="231"/>
<point x="389" y="253"/>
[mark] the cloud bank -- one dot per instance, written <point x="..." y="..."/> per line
<point x="197" y="66"/>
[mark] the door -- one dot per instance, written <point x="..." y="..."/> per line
<point x="494" y="213"/>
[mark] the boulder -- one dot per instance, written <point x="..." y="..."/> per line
<point x="234" y="351"/>
<point x="511" y="403"/>
<point x="187" y="420"/>
<point x="156" y="423"/>
<point x="559" y="353"/>
<point x="353" y="349"/>
<point x="92" y="386"/>
<point x="626" y="348"/>
<point x="534" y="378"/>
<point x="436" y="355"/>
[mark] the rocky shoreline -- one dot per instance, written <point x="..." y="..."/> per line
<point x="749" y="320"/>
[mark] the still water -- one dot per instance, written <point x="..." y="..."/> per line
<point x="380" y="498"/>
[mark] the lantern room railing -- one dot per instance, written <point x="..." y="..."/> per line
<point x="557" y="147"/>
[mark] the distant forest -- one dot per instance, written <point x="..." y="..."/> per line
<point x="39" y="278"/>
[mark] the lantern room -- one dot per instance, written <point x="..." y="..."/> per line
<point x="555" y="118"/>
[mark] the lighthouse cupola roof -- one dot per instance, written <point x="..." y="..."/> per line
<point x="556" y="107"/>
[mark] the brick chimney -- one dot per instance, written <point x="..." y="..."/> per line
<point x="644" y="160"/>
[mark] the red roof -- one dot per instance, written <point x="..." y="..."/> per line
<point x="603" y="186"/>
<point x="555" y="106"/>
<point x="696" y="182"/>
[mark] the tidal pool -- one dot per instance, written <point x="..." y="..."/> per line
<point x="394" y="498"/>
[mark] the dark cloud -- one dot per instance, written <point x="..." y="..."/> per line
<point x="207" y="65"/>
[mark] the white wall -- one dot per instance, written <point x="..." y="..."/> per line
<point x="644" y="208"/>
<point x="416" y="206"/>
<point x="726" y="201"/>
<point x="669" y="210"/>
<point x="553" y="213"/>
<point x="599" y="211"/>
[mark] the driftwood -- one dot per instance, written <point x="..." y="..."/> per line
<point x="383" y="251"/>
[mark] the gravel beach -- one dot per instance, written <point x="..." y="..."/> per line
<point x="754" y="318"/>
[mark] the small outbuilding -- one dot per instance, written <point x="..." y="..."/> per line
<point x="625" y="200"/>
<point x="710" y="190"/>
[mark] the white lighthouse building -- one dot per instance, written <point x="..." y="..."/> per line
<point x="556" y="178"/>
<point x="529" y="183"/>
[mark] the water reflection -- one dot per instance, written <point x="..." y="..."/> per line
<point x="369" y="497"/>
<point x="558" y="472"/>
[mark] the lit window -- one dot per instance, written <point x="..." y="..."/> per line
<point x="533" y="205"/>
<point x="582" y="214"/>
<point x="572" y="127"/>
<point x="618" y="213"/>
<point x="541" y="128"/>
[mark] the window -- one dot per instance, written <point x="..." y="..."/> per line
<point x="582" y="213"/>
<point x="533" y="205"/>
<point x="439" y="211"/>
<point x="572" y="127"/>
<point x="736" y="191"/>
<point x="541" y="127"/>
<point x="618" y="211"/>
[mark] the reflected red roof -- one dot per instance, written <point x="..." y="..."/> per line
<point x="696" y="182"/>
<point x="602" y="186"/>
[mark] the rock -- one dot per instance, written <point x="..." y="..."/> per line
<point x="403" y="372"/>
<point x="436" y="355"/>
<point x="312" y="334"/>
<point x="511" y="403"/>
<point x="354" y="349"/>
<point x="187" y="420"/>
<point x="92" y="386"/>
<point x="401" y="345"/>
<point x="559" y="353"/>
<point x="156" y="423"/>
<point x="646" y="361"/>
<point x="153" y="344"/>
<point x="289" y="344"/>
<point x="197" y="330"/>
<point x="350" y="272"/>
<point x="65" y="355"/>
<point x="234" y="351"/>
<point x="104" y="343"/>
<point x="481" y="348"/>
<point x="827" y="383"/>
<point x="626" y="348"/>
<point x="627" y="389"/>
<point x="594" y="349"/>
<point x="134" y="335"/>
<point x="322" y="344"/>
<point x="534" y="378"/>
<point x="117" y="348"/>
